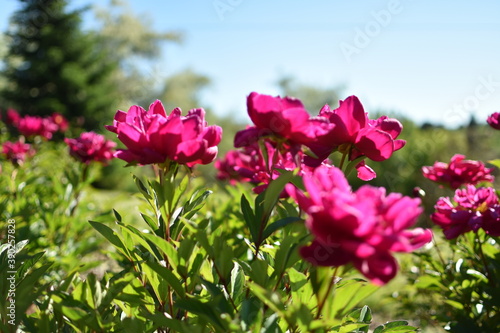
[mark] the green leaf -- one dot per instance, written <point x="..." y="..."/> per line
<point x="218" y="298"/>
<point x="352" y="327"/>
<point x="155" y="282"/>
<point x="177" y="190"/>
<point x="168" y="276"/>
<point x="94" y="295"/>
<point x="259" y="272"/>
<point x="399" y="326"/>
<point x="137" y="237"/>
<point x="428" y="281"/>
<point x="160" y="320"/>
<point x="274" y="189"/>
<point x="270" y="229"/>
<point x="363" y="315"/>
<point x="117" y="216"/>
<point x="112" y="237"/>
<point x="477" y="274"/>
<point x="205" y="310"/>
<point x="194" y="205"/>
<point x="201" y="237"/>
<point x="26" y="289"/>
<point x="286" y="255"/>
<point x="348" y="293"/>
<point x="237" y="284"/>
<point x="251" y="310"/>
<point x="74" y="309"/>
<point x="165" y="247"/>
<point x="495" y="163"/>
<point x="251" y="221"/>
<point x="27" y="264"/>
<point x="142" y="188"/>
<point x="455" y="304"/>
<point x="268" y="297"/>
<point x="150" y="222"/>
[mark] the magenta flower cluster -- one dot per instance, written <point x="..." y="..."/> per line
<point x="471" y="209"/>
<point x="363" y="227"/>
<point x="17" y="152"/>
<point x="152" y="137"/>
<point x="31" y="126"/>
<point x="458" y="172"/>
<point x="347" y="129"/>
<point x="91" y="146"/>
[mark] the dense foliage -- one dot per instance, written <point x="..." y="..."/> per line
<point x="180" y="257"/>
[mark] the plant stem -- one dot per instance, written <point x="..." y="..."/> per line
<point x="489" y="275"/>
<point x="341" y="165"/>
<point x="330" y="286"/>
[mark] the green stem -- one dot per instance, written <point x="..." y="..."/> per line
<point x="330" y="286"/>
<point x="344" y="155"/>
<point x="78" y="191"/>
<point x="489" y="275"/>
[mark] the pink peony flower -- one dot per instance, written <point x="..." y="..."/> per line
<point x="153" y="137"/>
<point x="285" y="117"/>
<point x="458" y="172"/>
<point x="12" y="117"/>
<point x="61" y="122"/>
<point x="30" y="126"/>
<point x="494" y="120"/>
<point x="351" y="132"/>
<point x="17" y="152"/>
<point x="362" y="227"/>
<point x="251" y="165"/>
<point x="472" y="208"/>
<point x="240" y="165"/>
<point x="90" y="147"/>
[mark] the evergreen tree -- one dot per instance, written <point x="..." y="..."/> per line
<point x="53" y="66"/>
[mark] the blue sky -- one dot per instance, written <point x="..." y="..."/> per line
<point x="428" y="60"/>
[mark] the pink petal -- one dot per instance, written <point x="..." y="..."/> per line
<point x="320" y="255"/>
<point x="365" y="172"/>
<point x="375" y="144"/>
<point x="157" y="108"/>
